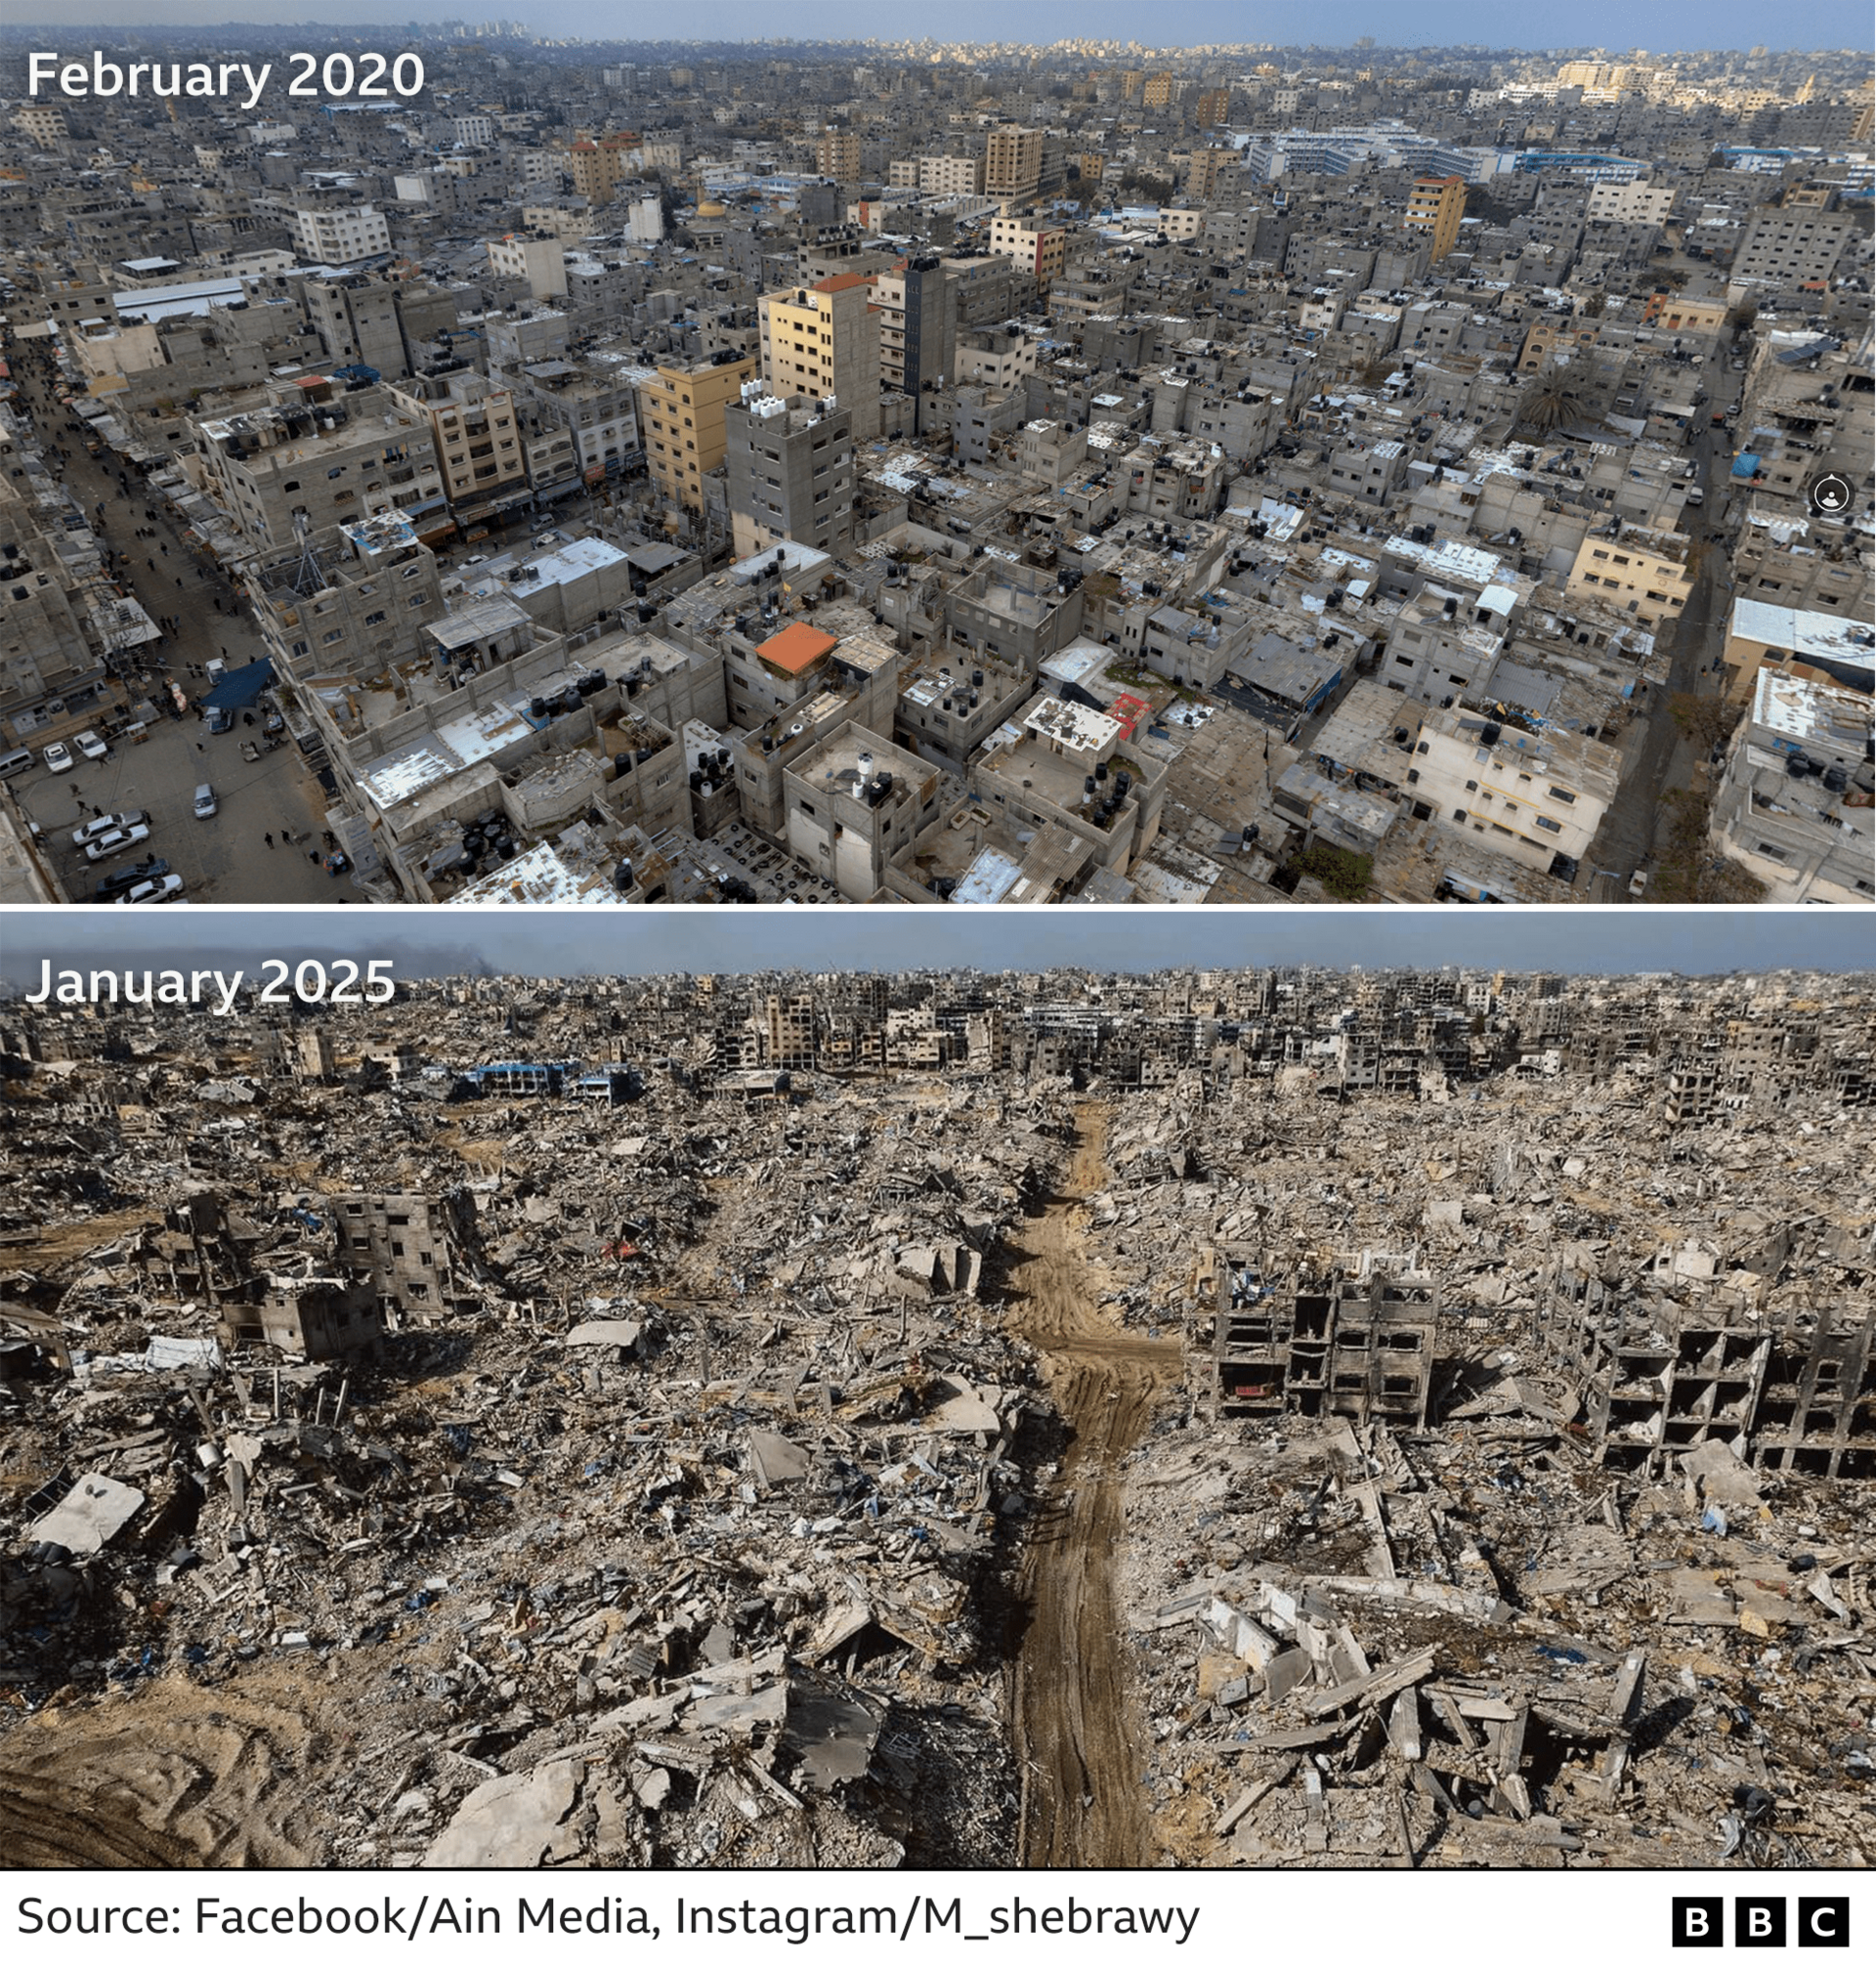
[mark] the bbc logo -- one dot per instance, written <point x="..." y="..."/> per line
<point x="1760" y="1922"/>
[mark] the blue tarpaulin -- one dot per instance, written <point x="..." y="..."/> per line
<point x="1746" y="466"/>
<point x="238" y="689"/>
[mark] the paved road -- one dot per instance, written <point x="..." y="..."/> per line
<point x="1625" y="839"/>
<point x="223" y="860"/>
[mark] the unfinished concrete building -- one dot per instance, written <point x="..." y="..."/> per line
<point x="1352" y="1339"/>
<point x="1660" y="1377"/>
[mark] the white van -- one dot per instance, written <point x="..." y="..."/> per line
<point x="15" y="761"/>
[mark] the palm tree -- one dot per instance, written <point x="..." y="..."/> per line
<point x="1549" y="400"/>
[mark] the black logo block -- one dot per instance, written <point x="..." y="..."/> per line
<point x="1758" y="1922"/>
<point x="1823" y="1922"/>
<point x="1699" y="1922"/>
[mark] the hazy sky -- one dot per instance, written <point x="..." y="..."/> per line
<point x="732" y="939"/>
<point x="1660" y="26"/>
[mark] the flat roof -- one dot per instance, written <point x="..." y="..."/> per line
<point x="794" y="649"/>
<point x="1805" y="632"/>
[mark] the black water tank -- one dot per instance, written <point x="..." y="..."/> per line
<point x="644" y="753"/>
<point x="537" y="707"/>
<point x="622" y="766"/>
<point x="1795" y="766"/>
<point x="1836" y="780"/>
<point x="696" y="780"/>
<point x="1491" y="734"/>
<point x="1100" y="770"/>
<point x="1088" y="784"/>
<point x="978" y="680"/>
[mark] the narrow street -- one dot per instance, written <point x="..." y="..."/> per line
<point x="1076" y="1727"/>
<point x="1626" y="840"/>
<point x="222" y="860"/>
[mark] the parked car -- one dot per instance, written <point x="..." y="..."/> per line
<point x="118" y="840"/>
<point x="274" y="722"/>
<point x="104" y="824"/>
<point x="90" y="746"/>
<point x="160" y="889"/>
<point x="113" y="886"/>
<point x="58" y="758"/>
<point x="1639" y="882"/>
<point x="205" y="801"/>
<point x="220" y="718"/>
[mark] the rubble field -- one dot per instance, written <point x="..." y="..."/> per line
<point x="916" y="1468"/>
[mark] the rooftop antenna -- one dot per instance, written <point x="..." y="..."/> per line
<point x="310" y="580"/>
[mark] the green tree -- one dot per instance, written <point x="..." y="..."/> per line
<point x="1550" y="399"/>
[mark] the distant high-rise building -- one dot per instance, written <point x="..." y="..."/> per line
<point x="1012" y="163"/>
<point x="836" y="156"/>
<point x="1214" y="107"/>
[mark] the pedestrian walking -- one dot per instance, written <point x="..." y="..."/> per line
<point x="313" y="855"/>
<point x="268" y="840"/>
<point x="200" y="746"/>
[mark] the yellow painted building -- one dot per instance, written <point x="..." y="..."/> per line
<point x="1641" y="571"/>
<point x="1434" y="207"/>
<point x="683" y="419"/>
<point x="823" y="340"/>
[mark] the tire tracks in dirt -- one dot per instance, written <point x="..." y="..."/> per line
<point x="1076" y="1728"/>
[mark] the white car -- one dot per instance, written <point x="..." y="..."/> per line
<point x="115" y="843"/>
<point x="103" y="824"/>
<point x="90" y="746"/>
<point x="205" y="801"/>
<point x="58" y="758"/>
<point x="158" y="890"/>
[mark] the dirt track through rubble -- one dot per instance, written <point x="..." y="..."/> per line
<point x="179" y="1776"/>
<point x="1076" y="1727"/>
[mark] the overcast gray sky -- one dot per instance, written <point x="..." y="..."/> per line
<point x="726" y="939"/>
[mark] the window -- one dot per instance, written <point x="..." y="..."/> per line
<point x="1471" y="787"/>
<point x="1545" y="821"/>
<point x="1563" y="793"/>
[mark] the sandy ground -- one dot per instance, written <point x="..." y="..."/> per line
<point x="1077" y="1728"/>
